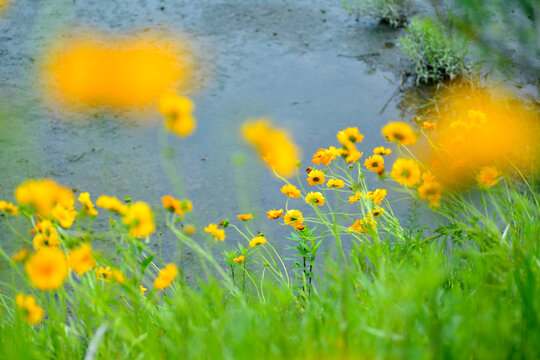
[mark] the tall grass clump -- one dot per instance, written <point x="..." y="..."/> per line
<point x="393" y="12"/>
<point x="464" y="284"/>
<point x="436" y="54"/>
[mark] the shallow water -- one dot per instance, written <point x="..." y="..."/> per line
<point x="307" y="64"/>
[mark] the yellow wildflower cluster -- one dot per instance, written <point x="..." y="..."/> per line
<point x="31" y="312"/>
<point x="365" y="224"/>
<point x="274" y="145"/>
<point x="290" y="191"/>
<point x="112" y="204"/>
<point x="212" y="229"/>
<point x="88" y="206"/>
<point x="139" y="219"/>
<point x="325" y="156"/>
<point x="81" y="259"/>
<point x="166" y="277"/>
<point x="46" y="235"/>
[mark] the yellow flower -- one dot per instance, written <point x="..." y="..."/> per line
<point x="32" y="313"/>
<point x="274" y="145"/>
<point x="217" y="233"/>
<point x="431" y="190"/>
<point x="256" y="241"/>
<point x="377" y="212"/>
<point x="353" y="156"/>
<point x="376" y="196"/>
<point x="166" y="277"/>
<point x="142" y="289"/>
<point x="381" y="150"/>
<point x="364" y="225"/>
<point x="325" y="156"/>
<point x="189" y="229"/>
<point x="104" y="274"/>
<point x="315" y="198"/>
<point x="290" y="190"/>
<point x="111" y="203"/>
<point x="173" y="205"/>
<point x="65" y="216"/>
<point x="488" y="176"/>
<point x="274" y="214"/>
<point x="316" y="177"/>
<point x="349" y="136"/>
<point x="177" y="111"/>
<point x="118" y="276"/>
<point x="81" y="259"/>
<point x="46" y="235"/>
<point x="139" y="219"/>
<point x="187" y="206"/>
<point x="239" y="258"/>
<point x="374" y="163"/>
<point x="43" y="195"/>
<point x="21" y="255"/>
<point x="335" y="183"/>
<point x="354" y="198"/>
<point x="293" y="218"/>
<point x="406" y="172"/>
<point x="47" y="269"/>
<point x="399" y="132"/>
<point x="9" y="208"/>
<point x="428" y="126"/>
<point x="244" y="217"/>
<point x="88" y="206"/>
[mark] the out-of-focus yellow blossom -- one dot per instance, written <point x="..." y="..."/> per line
<point x="364" y="225"/>
<point x="353" y="156"/>
<point x="81" y="259"/>
<point x="239" y="259"/>
<point x="399" y="132"/>
<point x="189" y="229"/>
<point x="139" y="219"/>
<point x="172" y="205"/>
<point x="118" y="276"/>
<point x="64" y="216"/>
<point x="406" y="172"/>
<point x="21" y="255"/>
<point x="103" y="273"/>
<point x="431" y="190"/>
<point x="274" y="145"/>
<point x="315" y="198"/>
<point x="166" y="277"/>
<point x="349" y="136"/>
<point x="44" y="195"/>
<point x="429" y="126"/>
<point x="177" y="111"/>
<point x="325" y="156"/>
<point x="244" y="217"/>
<point x="488" y="176"/>
<point x="46" y="235"/>
<point x="47" y="269"/>
<point x="31" y="312"/>
<point x="335" y="183"/>
<point x="374" y="163"/>
<point x="290" y="190"/>
<point x="9" y="208"/>
<point x="377" y="212"/>
<point x="381" y="150"/>
<point x="256" y="241"/>
<point x="112" y="204"/>
<point x="142" y="289"/>
<point x="293" y="218"/>
<point x="88" y="206"/>
<point x="274" y="214"/>
<point x="316" y="177"/>
<point x="354" y="198"/>
<point x="219" y="234"/>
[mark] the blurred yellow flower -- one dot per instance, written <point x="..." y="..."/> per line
<point x="274" y="214"/>
<point x="244" y="217"/>
<point x="399" y="132"/>
<point x="189" y="229"/>
<point x="290" y="190"/>
<point x="64" y="216"/>
<point x="9" y="208"/>
<point x="239" y="259"/>
<point x="177" y="111"/>
<point x="488" y="176"/>
<point x="274" y="145"/>
<point x="315" y="198"/>
<point x="377" y="212"/>
<point x="166" y="277"/>
<point x="139" y="219"/>
<point x="335" y="183"/>
<point x="21" y="255"/>
<point x="256" y="241"/>
<point x="366" y="224"/>
<point x="47" y="269"/>
<point x="81" y="259"/>
<point x="172" y="205"/>
<point x="406" y="172"/>
<point x="142" y="289"/>
<point x="88" y="206"/>
<point x="118" y="276"/>
<point x="112" y="204"/>
<point x="381" y="150"/>
<point x="103" y="273"/>
<point x="353" y="156"/>
<point x="217" y="233"/>
<point x="429" y="126"/>
<point x="376" y="196"/>
<point x="44" y="195"/>
<point x="325" y="156"/>
<point x="46" y="235"/>
<point x="293" y="218"/>
<point x="31" y="312"/>
<point x="349" y="136"/>
<point x="430" y="190"/>
<point x="316" y="177"/>
<point x="187" y="206"/>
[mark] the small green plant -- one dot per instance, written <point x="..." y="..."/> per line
<point x="393" y="12"/>
<point x="436" y="54"/>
